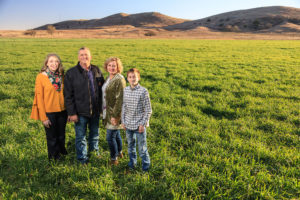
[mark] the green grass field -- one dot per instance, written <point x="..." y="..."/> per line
<point x="225" y="123"/>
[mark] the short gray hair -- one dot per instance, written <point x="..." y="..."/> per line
<point x="84" y="48"/>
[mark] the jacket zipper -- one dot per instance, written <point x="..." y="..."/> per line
<point x="91" y="109"/>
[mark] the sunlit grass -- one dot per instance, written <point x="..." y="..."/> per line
<point x="225" y="123"/>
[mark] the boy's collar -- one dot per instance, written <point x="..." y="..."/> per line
<point x="135" y="87"/>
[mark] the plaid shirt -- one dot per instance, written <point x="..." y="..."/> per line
<point x="136" y="108"/>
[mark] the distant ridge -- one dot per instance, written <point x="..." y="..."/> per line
<point x="147" y="19"/>
<point x="255" y="19"/>
<point x="276" y="19"/>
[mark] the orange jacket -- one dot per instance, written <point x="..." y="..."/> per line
<point x="46" y="98"/>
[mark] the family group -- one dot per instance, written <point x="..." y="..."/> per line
<point x="83" y="96"/>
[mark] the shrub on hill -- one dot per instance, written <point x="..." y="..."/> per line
<point x="51" y="29"/>
<point x="30" y="32"/>
<point x="150" y="33"/>
<point x="231" y="28"/>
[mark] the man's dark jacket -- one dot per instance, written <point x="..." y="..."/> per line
<point x="78" y="100"/>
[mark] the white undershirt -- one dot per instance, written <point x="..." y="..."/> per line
<point x="103" y="97"/>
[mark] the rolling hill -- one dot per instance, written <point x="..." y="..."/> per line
<point x="146" y="20"/>
<point x="274" y="19"/>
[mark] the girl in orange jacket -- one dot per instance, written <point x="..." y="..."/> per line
<point x="48" y="105"/>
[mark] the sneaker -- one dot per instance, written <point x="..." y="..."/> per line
<point x="145" y="169"/>
<point x="121" y="155"/>
<point x="114" y="162"/>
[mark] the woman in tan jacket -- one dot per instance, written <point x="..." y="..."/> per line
<point x="48" y="105"/>
<point x="112" y="91"/>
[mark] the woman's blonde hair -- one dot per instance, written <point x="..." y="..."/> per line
<point x="60" y="68"/>
<point x="118" y="61"/>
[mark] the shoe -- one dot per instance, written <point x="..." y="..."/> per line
<point x="121" y="155"/>
<point x="131" y="166"/>
<point x="145" y="169"/>
<point x="114" y="162"/>
<point x="83" y="162"/>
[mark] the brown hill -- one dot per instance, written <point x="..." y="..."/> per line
<point x="284" y="27"/>
<point x="148" y="19"/>
<point x="257" y="19"/>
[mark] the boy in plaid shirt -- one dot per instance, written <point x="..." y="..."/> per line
<point x="136" y="112"/>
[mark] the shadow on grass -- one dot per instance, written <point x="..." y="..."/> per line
<point x="219" y="114"/>
<point x="4" y="96"/>
<point x="150" y="78"/>
<point x="195" y="87"/>
<point x="208" y="88"/>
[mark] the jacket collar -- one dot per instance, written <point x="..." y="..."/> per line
<point x="81" y="69"/>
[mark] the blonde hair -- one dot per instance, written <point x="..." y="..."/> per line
<point x="118" y="61"/>
<point x="60" y="68"/>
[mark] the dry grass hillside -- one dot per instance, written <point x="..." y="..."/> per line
<point x="270" y="19"/>
<point x="275" y="22"/>
<point x="141" y="33"/>
<point x="149" y="19"/>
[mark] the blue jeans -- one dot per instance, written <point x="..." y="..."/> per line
<point x="132" y="136"/>
<point x="114" y="140"/>
<point x="80" y="140"/>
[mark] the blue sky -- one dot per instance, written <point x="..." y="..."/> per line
<point x="27" y="14"/>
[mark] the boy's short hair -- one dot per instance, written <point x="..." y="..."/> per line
<point x="134" y="70"/>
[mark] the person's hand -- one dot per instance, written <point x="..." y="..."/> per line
<point x="113" y="121"/>
<point x="141" y="129"/>
<point x="47" y="123"/>
<point x="73" y="118"/>
<point x="123" y="126"/>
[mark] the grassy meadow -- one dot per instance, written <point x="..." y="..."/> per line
<point x="225" y="122"/>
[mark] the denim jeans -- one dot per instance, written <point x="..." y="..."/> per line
<point x="132" y="136"/>
<point x="80" y="140"/>
<point x="114" y="140"/>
